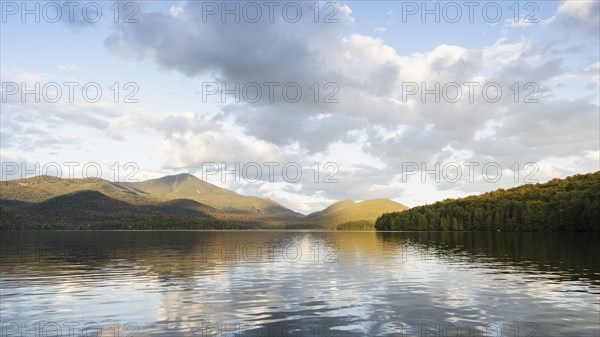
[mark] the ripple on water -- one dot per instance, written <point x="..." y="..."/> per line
<point x="169" y="287"/>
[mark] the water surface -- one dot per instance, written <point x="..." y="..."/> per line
<point x="283" y="283"/>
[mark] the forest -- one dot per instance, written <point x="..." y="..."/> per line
<point x="570" y="204"/>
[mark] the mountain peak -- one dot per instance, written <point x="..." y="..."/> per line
<point x="348" y="210"/>
<point x="183" y="176"/>
<point x="188" y="186"/>
<point x="342" y="204"/>
<point x="176" y="179"/>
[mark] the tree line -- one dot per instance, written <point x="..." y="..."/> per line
<point x="571" y="204"/>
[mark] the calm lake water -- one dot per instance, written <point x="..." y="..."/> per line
<point x="282" y="283"/>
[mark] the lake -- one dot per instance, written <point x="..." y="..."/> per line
<point x="299" y="283"/>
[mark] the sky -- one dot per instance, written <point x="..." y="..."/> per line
<point x="307" y="103"/>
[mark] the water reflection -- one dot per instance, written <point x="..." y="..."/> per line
<point x="279" y="283"/>
<point x="571" y="255"/>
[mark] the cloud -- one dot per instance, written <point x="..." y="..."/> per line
<point x="370" y="128"/>
<point x="369" y="73"/>
<point x="194" y="43"/>
<point x="575" y="16"/>
<point x="207" y="141"/>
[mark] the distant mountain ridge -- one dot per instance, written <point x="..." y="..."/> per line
<point x="41" y="188"/>
<point x="93" y="210"/>
<point x="186" y="202"/>
<point x="45" y="201"/>
<point x="187" y="186"/>
<point x="348" y="210"/>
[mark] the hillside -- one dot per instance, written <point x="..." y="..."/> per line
<point x="348" y="210"/>
<point x="42" y="188"/>
<point x="94" y="210"/>
<point x="187" y="186"/>
<point x="571" y="204"/>
<point x="176" y="201"/>
<point x="185" y="207"/>
<point x="170" y="194"/>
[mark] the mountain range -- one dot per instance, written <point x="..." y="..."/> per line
<point x="175" y="201"/>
